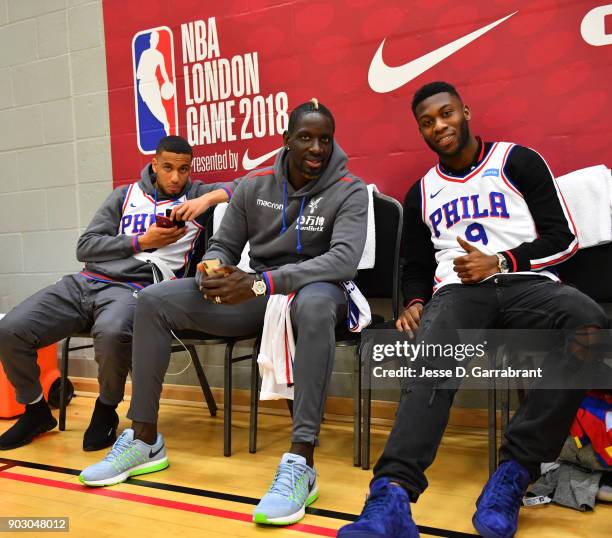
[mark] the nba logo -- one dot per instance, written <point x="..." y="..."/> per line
<point x="154" y="87"/>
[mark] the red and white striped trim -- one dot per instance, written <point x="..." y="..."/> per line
<point x="471" y="174"/>
<point x="127" y="197"/>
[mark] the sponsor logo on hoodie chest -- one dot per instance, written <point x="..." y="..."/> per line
<point x="308" y="222"/>
<point x="271" y="205"/>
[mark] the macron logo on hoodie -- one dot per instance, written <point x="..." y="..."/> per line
<point x="271" y="205"/>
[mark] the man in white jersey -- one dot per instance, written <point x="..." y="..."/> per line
<point x="116" y="247"/>
<point x="486" y="226"/>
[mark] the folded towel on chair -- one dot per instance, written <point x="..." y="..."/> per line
<point x="588" y="195"/>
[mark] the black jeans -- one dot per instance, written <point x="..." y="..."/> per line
<point x="541" y="424"/>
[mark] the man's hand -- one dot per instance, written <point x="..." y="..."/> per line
<point x="156" y="237"/>
<point x="191" y="209"/>
<point x="410" y="319"/>
<point x="476" y="266"/>
<point x="230" y="285"/>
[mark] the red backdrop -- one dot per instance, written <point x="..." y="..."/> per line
<point x="540" y="78"/>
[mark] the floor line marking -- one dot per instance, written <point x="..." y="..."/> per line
<point x="230" y="497"/>
<point x="165" y="503"/>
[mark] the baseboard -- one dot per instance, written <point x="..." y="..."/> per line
<point x="336" y="408"/>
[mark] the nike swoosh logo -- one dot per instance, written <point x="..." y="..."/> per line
<point x="132" y="204"/>
<point x="310" y="484"/>
<point x="383" y="78"/>
<point x="249" y="164"/>
<point x="153" y="454"/>
<point x="434" y="195"/>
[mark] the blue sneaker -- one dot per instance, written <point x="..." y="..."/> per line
<point x="498" y="506"/>
<point x="386" y="514"/>
<point x="293" y="489"/>
<point x="128" y="457"/>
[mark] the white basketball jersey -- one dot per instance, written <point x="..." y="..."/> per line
<point x="483" y="208"/>
<point x="138" y="211"/>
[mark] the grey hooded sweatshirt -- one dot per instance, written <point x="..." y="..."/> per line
<point x="315" y="234"/>
<point x="106" y="252"/>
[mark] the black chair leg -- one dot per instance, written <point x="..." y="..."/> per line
<point x="492" y="412"/>
<point x="208" y="395"/>
<point x="357" y="407"/>
<point x="366" y="414"/>
<point x="227" y="400"/>
<point x="63" y="383"/>
<point x="254" y="398"/>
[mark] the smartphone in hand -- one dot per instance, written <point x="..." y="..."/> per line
<point x="177" y="223"/>
<point x="208" y="266"/>
<point x="164" y="222"/>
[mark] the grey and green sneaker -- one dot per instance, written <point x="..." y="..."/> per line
<point x="128" y="457"/>
<point x="293" y="489"/>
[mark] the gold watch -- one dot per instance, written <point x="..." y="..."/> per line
<point x="259" y="286"/>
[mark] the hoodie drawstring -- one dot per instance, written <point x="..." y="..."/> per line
<point x="299" y="245"/>
<point x="154" y="219"/>
<point x="284" y="226"/>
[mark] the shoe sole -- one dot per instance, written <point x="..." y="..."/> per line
<point x="145" y="468"/>
<point x="262" y="519"/>
<point x="359" y="534"/>
<point x="484" y="531"/>
<point x="43" y="428"/>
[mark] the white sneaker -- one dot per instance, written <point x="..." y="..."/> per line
<point x="128" y="457"/>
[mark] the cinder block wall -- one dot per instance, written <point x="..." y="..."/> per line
<point x="55" y="162"/>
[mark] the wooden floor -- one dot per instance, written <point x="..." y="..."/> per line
<point x="204" y="494"/>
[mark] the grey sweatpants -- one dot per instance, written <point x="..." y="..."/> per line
<point x="74" y="303"/>
<point x="179" y="305"/>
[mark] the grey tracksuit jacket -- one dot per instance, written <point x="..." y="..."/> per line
<point x="107" y="252"/>
<point x="315" y="234"/>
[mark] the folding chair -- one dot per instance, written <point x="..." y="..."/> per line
<point x="380" y="282"/>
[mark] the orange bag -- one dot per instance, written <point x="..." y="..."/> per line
<point x="49" y="372"/>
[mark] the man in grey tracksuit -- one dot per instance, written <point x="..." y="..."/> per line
<point x="115" y="247"/>
<point x="306" y="220"/>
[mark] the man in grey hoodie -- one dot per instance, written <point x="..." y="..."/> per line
<point x="306" y="221"/>
<point x="116" y="247"/>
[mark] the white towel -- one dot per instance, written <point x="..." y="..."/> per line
<point x="588" y="195"/>
<point x="368" y="258"/>
<point x="277" y="350"/>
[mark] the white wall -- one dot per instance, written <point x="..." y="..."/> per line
<point x="55" y="164"/>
